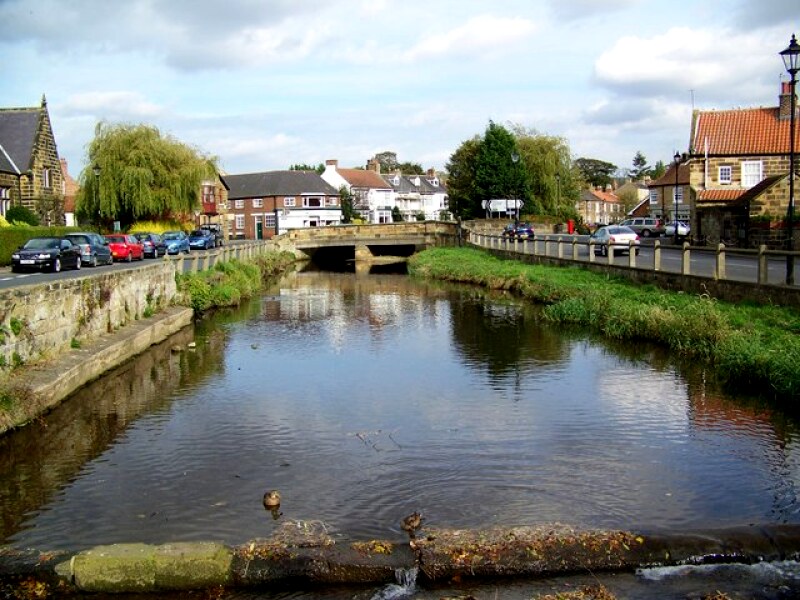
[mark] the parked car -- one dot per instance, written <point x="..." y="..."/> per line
<point x="202" y="239"/>
<point x="94" y="248"/>
<point x="645" y="226"/>
<point x="522" y="231"/>
<point x="153" y="245"/>
<point x="683" y="229"/>
<point x="46" y="254"/>
<point x="215" y="229"/>
<point x="125" y="247"/>
<point x="616" y="238"/>
<point x="176" y="242"/>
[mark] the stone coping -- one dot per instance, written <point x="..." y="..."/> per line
<point x="298" y="553"/>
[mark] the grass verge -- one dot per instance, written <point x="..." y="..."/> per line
<point x="227" y="283"/>
<point x="752" y="348"/>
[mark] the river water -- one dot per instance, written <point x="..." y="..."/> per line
<point x="363" y="398"/>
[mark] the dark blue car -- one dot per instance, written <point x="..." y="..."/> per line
<point x="176" y="242"/>
<point x="201" y="239"/>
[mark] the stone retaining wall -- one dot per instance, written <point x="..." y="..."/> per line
<point x="42" y="320"/>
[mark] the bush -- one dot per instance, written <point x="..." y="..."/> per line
<point x="22" y="214"/>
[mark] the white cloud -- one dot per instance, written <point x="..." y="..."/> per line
<point x="479" y="35"/>
<point x="112" y="105"/>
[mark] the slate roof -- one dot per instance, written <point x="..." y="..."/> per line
<point x="406" y="184"/>
<point x="749" y="131"/>
<point x="277" y="183"/>
<point x="18" y="127"/>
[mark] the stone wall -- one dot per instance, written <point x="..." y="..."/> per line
<point x="39" y="321"/>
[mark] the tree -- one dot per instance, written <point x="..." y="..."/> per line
<point x="497" y="174"/>
<point x="658" y="170"/>
<point x="553" y="182"/>
<point x="397" y="216"/>
<point x="142" y="175"/>
<point x="640" y="167"/>
<point x="596" y="172"/>
<point x="462" y="195"/>
<point x="387" y="160"/>
<point x="347" y="201"/>
<point x="21" y="214"/>
<point x="409" y="168"/>
<point x="319" y="169"/>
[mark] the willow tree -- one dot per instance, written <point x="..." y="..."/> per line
<point x="135" y="173"/>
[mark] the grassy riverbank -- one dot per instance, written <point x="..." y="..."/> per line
<point x="755" y="348"/>
<point x="228" y="282"/>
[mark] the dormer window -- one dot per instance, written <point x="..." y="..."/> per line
<point x="396" y="180"/>
<point x="416" y="181"/>
<point x="434" y="182"/>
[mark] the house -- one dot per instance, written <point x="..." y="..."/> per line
<point x="739" y="165"/>
<point x="261" y="205"/>
<point x="30" y="171"/>
<point x="373" y="197"/>
<point x="599" y="207"/>
<point x="632" y="193"/>
<point x="214" y="206"/>
<point x="416" y="195"/>
<point x="669" y="200"/>
<point x="69" y="191"/>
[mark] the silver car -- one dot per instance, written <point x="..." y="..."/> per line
<point x="617" y="238"/>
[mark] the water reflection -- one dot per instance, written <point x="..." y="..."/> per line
<point x="364" y="398"/>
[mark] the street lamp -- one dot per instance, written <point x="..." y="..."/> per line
<point x="515" y="160"/>
<point x="791" y="58"/>
<point x="677" y="158"/>
<point x="96" y="170"/>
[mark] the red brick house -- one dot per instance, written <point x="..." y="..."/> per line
<point x="261" y="205"/>
<point x="668" y="200"/>
<point x="739" y="166"/>
<point x="30" y="171"/>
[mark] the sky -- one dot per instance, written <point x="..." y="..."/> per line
<point x="264" y="84"/>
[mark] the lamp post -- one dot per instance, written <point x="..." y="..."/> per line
<point x="677" y="159"/>
<point x="515" y="160"/>
<point x="791" y="58"/>
<point x="96" y="170"/>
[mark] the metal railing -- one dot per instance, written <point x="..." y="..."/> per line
<point x="761" y="265"/>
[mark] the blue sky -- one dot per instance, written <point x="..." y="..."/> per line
<point x="263" y="84"/>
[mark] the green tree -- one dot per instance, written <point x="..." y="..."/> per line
<point x="347" y="201"/>
<point x="640" y="167"/>
<point x="461" y="192"/>
<point x="319" y="169"/>
<point x="387" y="160"/>
<point x="658" y="170"/>
<point x="597" y="173"/>
<point x="497" y="174"/>
<point x="409" y="168"/>
<point x="142" y="175"/>
<point x="552" y="180"/>
<point x="22" y="214"/>
<point x="397" y="216"/>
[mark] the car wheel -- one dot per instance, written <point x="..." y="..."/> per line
<point x="93" y="260"/>
<point x="78" y="264"/>
<point x="129" y="258"/>
<point x="14" y="269"/>
<point x="645" y="233"/>
<point x="57" y="265"/>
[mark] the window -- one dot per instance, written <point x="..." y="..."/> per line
<point x="313" y="202"/>
<point x="331" y="201"/>
<point x="46" y="178"/>
<point x="269" y="220"/>
<point x="677" y="194"/>
<point x="725" y="174"/>
<point x="239" y="221"/>
<point x="5" y="200"/>
<point x="751" y="173"/>
<point x="289" y="201"/>
<point x="238" y="204"/>
<point x="653" y="196"/>
<point x="258" y="202"/>
<point x="209" y="193"/>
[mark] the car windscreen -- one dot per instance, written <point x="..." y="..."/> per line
<point x="42" y="244"/>
<point x="116" y="239"/>
<point x="78" y="239"/>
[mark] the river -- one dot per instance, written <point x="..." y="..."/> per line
<point x="363" y="398"/>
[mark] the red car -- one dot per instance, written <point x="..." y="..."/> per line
<point x="125" y="247"/>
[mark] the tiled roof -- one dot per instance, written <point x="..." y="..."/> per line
<point x="361" y="178"/>
<point x="277" y="183"/>
<point x="18" y="127"/>
<point x="668" y="178"/>
<point x="742" y="132"/>
<point x="599" y="195"/>
<point x="725" y="195"/>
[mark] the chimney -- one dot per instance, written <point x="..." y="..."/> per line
<point x="374" y="165"/>
<point x="431" y="172"/>
<point x="332" y="162"/>
<point x="785" y="99"/>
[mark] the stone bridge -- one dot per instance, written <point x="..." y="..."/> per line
<point x="368" y="243"/>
